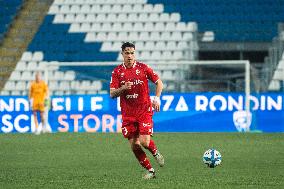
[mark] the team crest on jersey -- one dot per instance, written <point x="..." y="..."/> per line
<point x="137" y="72"/>
<point x="122" y="74"/>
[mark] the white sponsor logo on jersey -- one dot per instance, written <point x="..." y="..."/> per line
<point x="132" y="96"/>
<point x="137" y="82"/>
<point x="146" y="124"/>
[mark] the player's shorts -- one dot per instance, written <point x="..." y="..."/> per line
<point x="38" y="107"/>
<point x="133" y="126"/>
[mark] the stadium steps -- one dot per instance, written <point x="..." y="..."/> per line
<point x="20" y="35"/>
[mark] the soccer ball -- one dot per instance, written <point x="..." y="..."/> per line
<point x="212" y="158"/>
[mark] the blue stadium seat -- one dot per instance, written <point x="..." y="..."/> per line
<point x="59" y="45"/>
<point x="228" y="13"/>
<point x="8" y="11"/>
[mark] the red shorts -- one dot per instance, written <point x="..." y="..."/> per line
<point x="135" y="126"/>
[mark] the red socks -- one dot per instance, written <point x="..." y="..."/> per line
<point x="152" y="147"/>
<point x="142" y="158"/>
<point x="141" y="155"/>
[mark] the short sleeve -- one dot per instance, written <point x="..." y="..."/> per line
<point x="151" y="75"/>
<point x="114" y="83"/>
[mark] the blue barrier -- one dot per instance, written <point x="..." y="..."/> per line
<point x="181" y="112"/>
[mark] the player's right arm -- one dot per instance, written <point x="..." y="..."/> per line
<point x="114" y="93"/>
<point x="115" y="88"/>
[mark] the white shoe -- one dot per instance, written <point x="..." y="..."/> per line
<point x="37" y="132"/>
<point x="46" y="130"/>
<point x="150" y="175"/>
<point x="160" y="159"/>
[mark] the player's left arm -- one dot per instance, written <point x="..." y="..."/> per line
<point x="156" y="101"/>
<point x="30" y="95"/>
<point x="47" y="91"/>
<point x="46" y="99"/>
<point x="153" y="76"/>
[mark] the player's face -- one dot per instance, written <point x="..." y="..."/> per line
<point x="128" y="56"/>
<point x="37" y="77"/>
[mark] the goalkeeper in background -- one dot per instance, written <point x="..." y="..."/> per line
<point x="39" y="100"/>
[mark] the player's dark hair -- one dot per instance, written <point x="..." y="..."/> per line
<point x="127" y="44"/>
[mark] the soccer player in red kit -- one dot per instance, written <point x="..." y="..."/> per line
<point x="129" y="81"/>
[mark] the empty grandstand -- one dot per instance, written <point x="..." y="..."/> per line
<point x="8" y="11"/>
<point x="84" y="31"/>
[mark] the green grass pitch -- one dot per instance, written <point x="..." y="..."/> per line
<point x="85" y="160"/>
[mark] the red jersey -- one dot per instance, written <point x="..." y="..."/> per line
<point x="137" y="99"/>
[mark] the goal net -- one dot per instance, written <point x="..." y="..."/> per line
<point x="67" y="78"/>
<point x="179" y="76"/>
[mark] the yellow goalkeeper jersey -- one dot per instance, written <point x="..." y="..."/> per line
<point x="38" y="91"/>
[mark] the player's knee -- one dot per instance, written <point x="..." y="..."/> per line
<point x="144" y="143"/>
